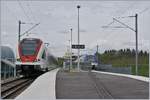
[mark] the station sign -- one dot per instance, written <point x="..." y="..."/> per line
<point x="75" y="46"/>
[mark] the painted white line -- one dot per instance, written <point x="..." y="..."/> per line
<point x="141" y="78"/>
<point x="43" y="88"/>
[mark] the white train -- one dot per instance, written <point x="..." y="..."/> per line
<point x="33" y="57"/>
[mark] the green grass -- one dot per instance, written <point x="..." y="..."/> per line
<point x="127" y="61"/>
<point x="143" y="70"/>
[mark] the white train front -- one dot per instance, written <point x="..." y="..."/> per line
<point x="33" y="57"/>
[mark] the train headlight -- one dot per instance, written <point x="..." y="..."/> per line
<point x="18" y="59"/>
<point x="37" y="60"/>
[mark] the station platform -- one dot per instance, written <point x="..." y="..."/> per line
<point x="43" y="88"/>
<point x="95" y="85"/>
<point x="59" y="84"/>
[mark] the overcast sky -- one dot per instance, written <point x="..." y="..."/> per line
<point x="57" y="17"/>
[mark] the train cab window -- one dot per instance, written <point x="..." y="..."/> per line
<point x="29" y="47"/>
<point x="44" y="55"/>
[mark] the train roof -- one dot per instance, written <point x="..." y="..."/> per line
<point x="31" y="39"/>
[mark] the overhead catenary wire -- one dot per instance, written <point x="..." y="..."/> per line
<point x="146" y="9"/>
<point x="114" y="27"/>
<point x="124" y="17"/>
<point x="108" y="26"/>
<point x="30" y="29"/>
<point x="123" y="24"/>
<point x="110" y="23"/>
<point x="128" y="8"/>
<point x="33" y="14"/>
<point x="12" y="13"/>
<point x="31" y="11"/>
<point x="141" y="12"/>
<point x="23" y="10"/>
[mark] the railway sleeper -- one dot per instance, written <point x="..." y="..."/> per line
<point x="7" y="93"/>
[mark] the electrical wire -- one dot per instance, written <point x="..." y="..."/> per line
<point x="31" y="11"/>
<point x="146" y="9"/>
<point x="12" y="13"/>
<point x="23" y="10"/>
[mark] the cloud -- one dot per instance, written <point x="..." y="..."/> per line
<point x="131" y="44"/>
<point x="98" y="42"/>
<point x="57" y="17"/>
<point x="4" y="33"/>
<point x="63" y="31"/>
<point x="83" y="30"/>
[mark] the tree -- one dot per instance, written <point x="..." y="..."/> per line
<point x="141" y="53"/>
<point x="145" y="53"/>
<point x="128" y="52"/>
<point x="133" y="52"/>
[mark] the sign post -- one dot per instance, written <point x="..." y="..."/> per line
<point x="76" y="46"/>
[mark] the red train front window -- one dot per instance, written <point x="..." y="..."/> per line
<point x="28" y="47"/>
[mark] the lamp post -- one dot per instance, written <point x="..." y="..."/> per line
<point x="69" y="59"/>
<point x="71" y="49"/>
<point x="78" y="6"/>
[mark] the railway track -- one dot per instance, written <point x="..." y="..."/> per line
<point x="11" y="89"/>
<point x="100" y="88"/>
<point x="9" y="81"/>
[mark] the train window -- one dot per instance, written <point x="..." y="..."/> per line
<point x="29" y="47"/>
<point x="44" y="55"/>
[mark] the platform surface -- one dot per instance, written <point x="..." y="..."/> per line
<point x="43" y="88"/>
<point x="92" y="85"/>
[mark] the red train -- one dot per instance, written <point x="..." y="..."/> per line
<point x="33" y="57"/>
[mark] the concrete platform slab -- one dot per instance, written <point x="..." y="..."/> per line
<point x="75" y="85"/>
<point x="43" y="88"/>
<point x="123" y="87"/>
<point x="91" y="85"/>
<point x="142" y="78"/>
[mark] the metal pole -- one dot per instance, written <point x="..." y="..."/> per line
<point x="78" y="40"/>
<point x="71" y="50"/>
<point x="5" y="71"/>
<point x="15" y="71"/>
<point x="136" y="35"/>
<point x="97" y="55"/>
<point x="149" y="59"/>
<point x="19" y="31"/>
<point x="136" y="38"/>
<point x="69" y="53"/>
